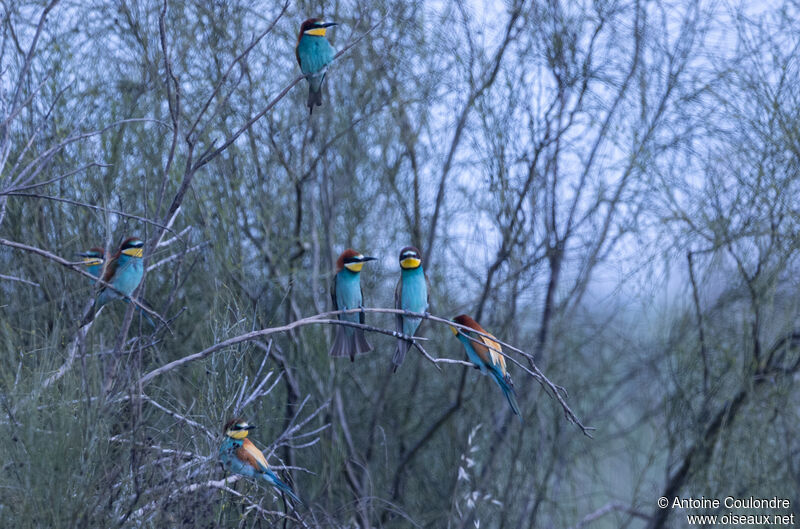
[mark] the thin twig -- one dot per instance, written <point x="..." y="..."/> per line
<point x="89" y="206"/>
<point x="27" y="282"/>
<point x="75" y="267"/>
<point x="56" y="179"/>
<point x="177" y="255"/>
<point x="178" y="416"/>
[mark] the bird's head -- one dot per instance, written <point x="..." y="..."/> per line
<point x="237" y="428"/>
<point x="466" y="321"/>
<point x="132" y="246"/>
<point x="410" y="258"/>
<point x="315" y="27"/>
<point x="352" y="260"/>
<point x="93" y="256"/>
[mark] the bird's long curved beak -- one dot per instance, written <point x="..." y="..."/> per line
<point x="366" y="258"/>
<point x="328" y="24"/>
<point x="250" y="427"/>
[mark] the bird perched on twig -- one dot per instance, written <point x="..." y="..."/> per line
<point x="124" y="271"/>
<point x="485" y="354"/>
<point x="314" y="54"/>
<point x="411" y="294"/>
<point x="240" y="456"/>
<point x="347" y="294"/>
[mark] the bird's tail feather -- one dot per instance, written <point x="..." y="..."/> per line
<point x="146" y="317"/>
<point x="315" y="90"/>
<point x="509" y="392"/>
<point x="349" y="342"/>
<point x="143" y="313"/>
<point x="314" y="99"/>
<point x="360" y="343"/>
<point x="341" y="344"/>
<point x="399" y="354"/>
<point x="280" y="485"/>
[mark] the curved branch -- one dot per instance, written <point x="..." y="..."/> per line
<point x="325" y="318"/>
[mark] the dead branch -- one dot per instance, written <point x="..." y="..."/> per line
<point x="555" y="391"/>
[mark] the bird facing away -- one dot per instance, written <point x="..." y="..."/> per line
<point x="239" y="455"/>
<point x="124" y="272"/>
<point x="347" y="294"/>
<point x="93" y="260"/>
<point x="484" y="353"/>
<point x="314" y="54"/>
<point x="411" y="294"/>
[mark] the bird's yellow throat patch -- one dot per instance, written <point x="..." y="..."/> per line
<point x="354" y="267"/>
<point x="455" y="331"/>
<point x="238" y="434"/>
<point x="133" y="252"/>
<point x="316" y="32"/>
<point x="410" y="262"/>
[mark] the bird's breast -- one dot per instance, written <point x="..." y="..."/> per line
<point x="315" y="53"/>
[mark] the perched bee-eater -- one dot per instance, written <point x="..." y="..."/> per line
<point x="93" y="260"/>
<point x="124" y="272"/>
<point x="347" y="294"/>
<point x="411" y="294"/>
<point x="484" y="353"/>
<point x="314" y="54"/>
<point x="240" y="456"/>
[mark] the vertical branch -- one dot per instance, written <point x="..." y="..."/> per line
<point x="699" y="314"/>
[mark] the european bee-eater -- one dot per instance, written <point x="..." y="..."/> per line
<point x="485" y="355"/>
<point x="240" y="456"/>
<point x="314" y="54"/>
<point x="124" y="272"/>
<point x="411" y="294"/>
<point x="93" y="260"/>
<point x="347" y="294"/>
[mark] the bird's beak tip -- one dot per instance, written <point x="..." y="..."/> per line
<point x="329" y="24"/>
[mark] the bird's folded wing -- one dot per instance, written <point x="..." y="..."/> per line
<point x="111" y="269"/>
<point x="398" y="304"/>
<point x="333" y="294"/>
<point x="494" y="353"/>
<point x="251" y="455"/>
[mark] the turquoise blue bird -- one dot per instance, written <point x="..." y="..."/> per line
<point x="314" y="53"/>
<point x="411" y="294"/>
<point x="347" y="294"/>
<point x="93" y="259"/>
<point x="239" y="455"/>
<point x="124" y="271"/>
<point x="484" y="352"/>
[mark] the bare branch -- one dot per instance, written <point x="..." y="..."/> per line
<point x="325" y="319"/>
<point x="27" y="282"/>
<point x="75" y="267"/>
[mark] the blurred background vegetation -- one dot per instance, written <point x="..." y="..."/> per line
<point x="610" y="185"/>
